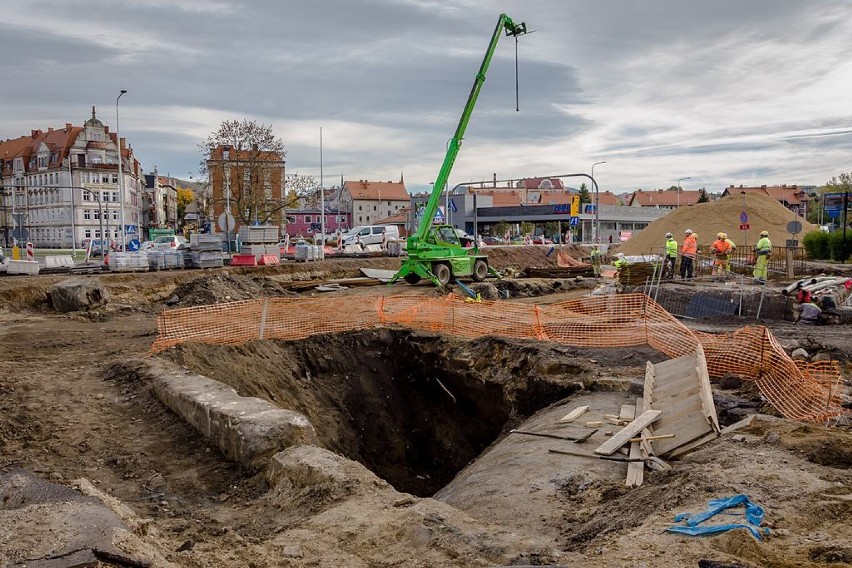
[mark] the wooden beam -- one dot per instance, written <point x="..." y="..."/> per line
<point x="574" y="414"/>
<point x="623" y="436"/>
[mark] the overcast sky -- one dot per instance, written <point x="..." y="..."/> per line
<point x="728" y="91"/>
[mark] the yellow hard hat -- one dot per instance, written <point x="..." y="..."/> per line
<point x="720" y="235"/>
<point x="723" y="235"/>
<point x="764" y="233"/>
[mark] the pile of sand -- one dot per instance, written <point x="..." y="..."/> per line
<point x="722" y="215"/>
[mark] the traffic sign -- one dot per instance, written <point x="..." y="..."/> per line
<point x="574" y="222"/>
<point x="226" y="222"/>
<point x="744" y="217"/>
<point x="453" y="206"/>
<point x="744" y="226"/>
<point x="439" y="215"/>
<point x="794" y="227"/>
<point x="130" y="229"/>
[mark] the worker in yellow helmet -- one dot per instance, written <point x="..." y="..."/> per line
<point x="762" y="252"/>
<point x="721" y="250"/>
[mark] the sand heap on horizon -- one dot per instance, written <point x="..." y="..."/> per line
<point x="722" y="215"/>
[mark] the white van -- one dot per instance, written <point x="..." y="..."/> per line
<point x="371" y="235"/>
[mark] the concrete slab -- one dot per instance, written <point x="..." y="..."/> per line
<point x="246" y="430"/>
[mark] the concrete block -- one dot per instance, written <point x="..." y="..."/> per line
<point x="58" y="261"/>
<point x="307" y="466"/>
<point x="22" y="267"/>
<point x="246" y="430"/>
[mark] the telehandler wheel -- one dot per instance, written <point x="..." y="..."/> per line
<point x="412" y="278"/>
<point x="442" y="272"/>
<point x="480" y="270"/>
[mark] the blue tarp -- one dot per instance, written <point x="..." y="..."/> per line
<point x="753" y="517"/>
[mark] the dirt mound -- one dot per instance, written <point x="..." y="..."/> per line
<point x="219" y="288"/>
<point x="523" y="256"/>
<point x="722" y="215"/>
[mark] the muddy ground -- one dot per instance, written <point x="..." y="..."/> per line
<point x="411" y="411"/>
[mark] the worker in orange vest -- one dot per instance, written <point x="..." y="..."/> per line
<point x="721" y="249"/>
<point x="688" y="250"/>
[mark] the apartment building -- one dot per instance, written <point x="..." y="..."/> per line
<point x="61" y="186"/>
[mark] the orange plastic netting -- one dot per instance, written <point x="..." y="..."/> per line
<point x="798" y="390"/>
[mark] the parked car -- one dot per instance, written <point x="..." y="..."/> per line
<point x="170" y="242"/>
<point x="371" y="234"/>
<point x="542" y="240"/>
<point x="491" y="241"/>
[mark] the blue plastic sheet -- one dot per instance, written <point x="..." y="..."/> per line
<point x="753" y="516"/>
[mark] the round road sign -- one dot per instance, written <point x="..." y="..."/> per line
<point x="744" y="217"/>
<point x="226" y="222"/>
<point x="794" y="227"/>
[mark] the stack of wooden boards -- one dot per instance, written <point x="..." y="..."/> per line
<point x="636" y="273"/>
<point x="675" y="415"/>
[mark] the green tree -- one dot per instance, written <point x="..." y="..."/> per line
<point x="185" y="196"/>
<point x="585" y="196"/>
<point x="702" y="196"/>
<point x="500" y="229"/>
<point x="527" y="227"/>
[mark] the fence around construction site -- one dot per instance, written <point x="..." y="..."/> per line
<point x="723" y="293"/>
<point x="798" y="390"/>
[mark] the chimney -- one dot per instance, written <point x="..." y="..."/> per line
<point x="35" y="133"/>
<point x="67" y="126"/>
<point x="495" y="179"/>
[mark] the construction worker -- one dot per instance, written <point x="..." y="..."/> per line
<point x="671" y="257"/>
<point x="809" y="312"/>
<point x="620" y="262"/>
<point x="762" y="252"/>
<point x="687" y="252"/>
<point x="596" y="260"/>
<point x="721" y="249"/>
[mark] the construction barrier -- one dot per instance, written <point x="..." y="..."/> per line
<point x="798" y="391"/>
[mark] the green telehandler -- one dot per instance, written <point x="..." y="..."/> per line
<point x="434" y="251"/>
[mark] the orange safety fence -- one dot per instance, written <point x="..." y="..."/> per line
<point x="801" y="391"/>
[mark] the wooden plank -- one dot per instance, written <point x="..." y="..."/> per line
<point x="636" y="470"/>
<point x="670" y="384"/>
<point x="678" y="366"/>
<point x="686" y="448"/>
<point x="623" y="436"/>
<point x="706" y="391"/>
<point x="574" y="414"/>
<point x="650" y="381"/>
<point x="627" y="412"/>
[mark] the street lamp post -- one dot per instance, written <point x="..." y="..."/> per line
<point x="678" y="189"/>
<point x="597" y="204"/>
<point x="226" y="154"/>
<point x="120" y="175"/>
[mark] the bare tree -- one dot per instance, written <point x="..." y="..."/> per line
<point x="255" y="163"/>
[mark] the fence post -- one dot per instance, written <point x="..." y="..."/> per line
<point x="539" y="329"/>
<point x="263" y="318"/>
<point x="789" y="256"/>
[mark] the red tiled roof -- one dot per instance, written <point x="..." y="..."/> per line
<point x="375" y="190"/>
<point x="606" y="198"/>
<point x="399" y="218"/>
<point x="57" y="140"/>
<point x="792" y="194"/>
<point x="535" y="183"/>
<point x="663" y="198"/>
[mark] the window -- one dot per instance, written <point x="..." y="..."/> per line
<point x="87" y="233"/>
<point x="115" y="215"/>
<point x="87" y="196"/>
<point x="359" y="208"/>
<point x="360" y="219"/>
<point x="114" y="178"/>
<point x="87" y="214"/>
<point x="114" y="196"/>
<point x="97" y="214"/>
<point x="104" y="178"/>
<point x="374" y="207"/>
<point x="307" y="218"/>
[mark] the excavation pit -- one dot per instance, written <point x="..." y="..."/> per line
<point x="414" y="408"/>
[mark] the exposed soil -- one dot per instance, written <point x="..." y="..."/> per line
<point x="722" y="215"/>
<point x="415" y="410"/>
